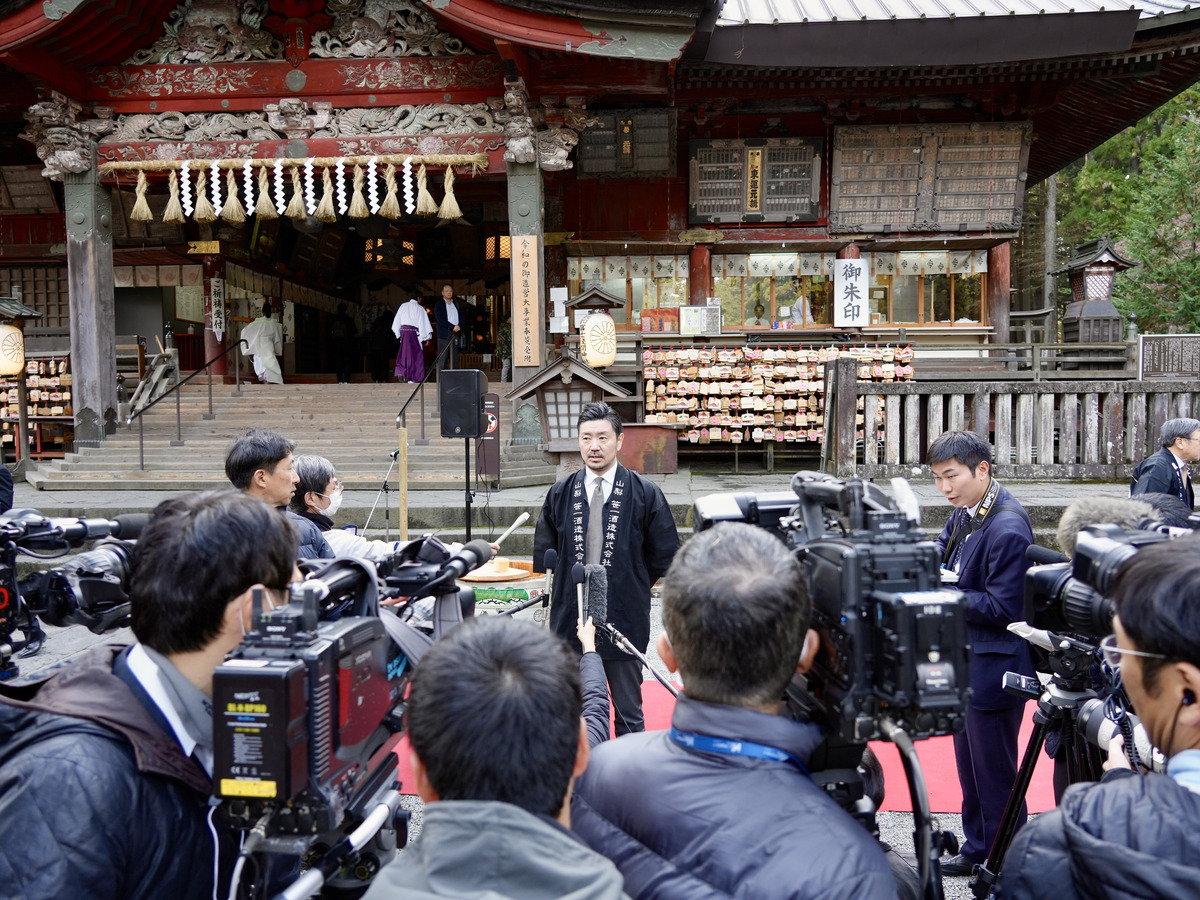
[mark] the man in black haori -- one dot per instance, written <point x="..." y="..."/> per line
<point x="635" y="540"/>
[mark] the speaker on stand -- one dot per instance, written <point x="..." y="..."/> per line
<point x="460" y="392"/>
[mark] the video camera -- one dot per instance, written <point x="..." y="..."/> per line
<point x="89" y="589"/>
<point x="893" y="641"/>
<point x="1072" y="596"/>
<point x="308" y="710"/>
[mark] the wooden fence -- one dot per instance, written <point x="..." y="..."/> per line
<point x="1039" y="430"/>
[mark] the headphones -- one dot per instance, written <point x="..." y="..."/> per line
<point x="1188" y="698"/>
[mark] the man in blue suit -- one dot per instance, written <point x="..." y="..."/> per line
<point x="1167" y="471"/>
<point x="984" y="543"/>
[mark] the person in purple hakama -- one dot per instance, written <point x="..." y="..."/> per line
<point x="412" y="326"/>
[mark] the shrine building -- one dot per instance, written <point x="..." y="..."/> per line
<point x="706" y="163"/>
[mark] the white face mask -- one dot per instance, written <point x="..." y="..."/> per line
<point x="335" y="501"/>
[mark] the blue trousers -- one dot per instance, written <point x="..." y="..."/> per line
<point x="988" y="757"/>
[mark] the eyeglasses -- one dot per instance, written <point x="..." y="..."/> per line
<point x="1112" y="653"/>
<point x="337" y="489"/>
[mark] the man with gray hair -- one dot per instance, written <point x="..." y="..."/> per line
<point x="1167" y="472"/>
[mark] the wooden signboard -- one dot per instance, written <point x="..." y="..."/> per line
<point x="527" y="305"/>
<point x="755" y="180"/>
<point x="1169" y="355"/>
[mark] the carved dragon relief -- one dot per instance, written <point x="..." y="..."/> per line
<point x="62" y="139"/>
<point x="550" y="147"/>
<point x="383" y="28"/>
<point x="205" y="31"/>
<point x="293" y="118"/>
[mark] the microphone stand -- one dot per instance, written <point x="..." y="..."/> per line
<point x="623" y="642"/>
<point x="385" y="490"/>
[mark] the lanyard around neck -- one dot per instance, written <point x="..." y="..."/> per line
<point x="972" y="522"/>
<point x="726" y="747"/>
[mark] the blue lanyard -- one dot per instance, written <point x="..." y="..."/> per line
<point x="706" y="744"/>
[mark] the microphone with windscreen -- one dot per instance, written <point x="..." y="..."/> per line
<point x="597" y="609"/>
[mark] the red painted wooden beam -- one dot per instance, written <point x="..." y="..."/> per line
<point x="489" y="20"/>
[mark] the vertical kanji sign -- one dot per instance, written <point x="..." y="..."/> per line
<point x="850" y="282"/>
<point x="527" y="306"/>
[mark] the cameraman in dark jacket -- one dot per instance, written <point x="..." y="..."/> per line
<point x="105" y="766"/>
<point x="1131" y="835"/>
<point x="722" y="805"/>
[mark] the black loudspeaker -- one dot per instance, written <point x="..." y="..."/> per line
<point x="461" y="394"/>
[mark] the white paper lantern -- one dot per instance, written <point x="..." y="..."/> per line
<point x="12" y="350"/>
<point x="598" y="340"/>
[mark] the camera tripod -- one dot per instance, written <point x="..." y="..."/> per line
<point x="1059" y="702"/>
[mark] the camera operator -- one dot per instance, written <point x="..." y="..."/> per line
<point x="105" y="765"/>
<point x="494" y="718"/>
<point x="260" y="462"/>
<point x="722" y="805"/>
<point x="984" y="543"/>
<point x="1133" y="835"/>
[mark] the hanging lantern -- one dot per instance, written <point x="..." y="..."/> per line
<point x="12" y="350"/>
<point x="598" y="329"/>
<point x="598" y="339"/>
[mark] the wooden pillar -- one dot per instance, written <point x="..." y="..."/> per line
<point x="999" y="279"/>
<point x="844" y="373"/>
<point x="850" y="251"/>
<point x="526" y="218"/>
<point x="92" y="305"/>
<point x="700" y="277"/>
<point x="214" y="267"/>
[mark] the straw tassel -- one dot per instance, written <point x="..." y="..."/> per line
<point x="141" y="209"/>
<point x="204" y="208"/>
<point x="173" y="214"/>
<point x="265" y="208"/>
<point x="296" y="208"/>
<point x="390" y="208"/>
<point x="232" y="211"/>
<point x="325" y="211"/>
<point x="425" y="204"/>
<point x="449" y="208"/>
<point x="358" y="204"/>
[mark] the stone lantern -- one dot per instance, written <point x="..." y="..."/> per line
<point x="1091" y="317"/>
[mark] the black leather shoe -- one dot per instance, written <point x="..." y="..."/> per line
<point x="958" y="865"/>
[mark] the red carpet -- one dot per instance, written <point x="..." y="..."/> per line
<point x="936" y="755"/>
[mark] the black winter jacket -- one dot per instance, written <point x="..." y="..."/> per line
<point x="1130" y="837"/>
<point x="312" y="543"/>
<point x="686" y="825"/>
<point x="97" y="802"/>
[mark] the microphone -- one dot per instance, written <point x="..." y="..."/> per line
<point x="578" y="574"/>
<point x="550" y="560"/>
<point x="1041" y="556"/>
<point x="1126" y="512"/>
<point x="597" y="596"/>
<point x="472" y="556"/>
<point x="521" y="520"/>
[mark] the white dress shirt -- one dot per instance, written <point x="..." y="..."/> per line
<point x="607" y="478"/>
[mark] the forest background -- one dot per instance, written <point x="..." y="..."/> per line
<point x="1142" y="189"/>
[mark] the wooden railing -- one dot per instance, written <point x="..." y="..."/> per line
<point x="1091" y="429"/>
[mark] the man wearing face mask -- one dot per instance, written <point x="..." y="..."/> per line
<point x="1133" y="835"/>
<point x="106" y="764"/>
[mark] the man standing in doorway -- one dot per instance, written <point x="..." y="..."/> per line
<point x="451" y="317"/>
<point x="1167" y="471"/>
<point x="606" y="514"/>
<point x="264" y="342"/>
<point x="984" y="545"/>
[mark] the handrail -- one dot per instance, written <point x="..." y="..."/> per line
<point x="184" y="381"/>
<point x="420" y="384"/>
<point x="178" y="442"/>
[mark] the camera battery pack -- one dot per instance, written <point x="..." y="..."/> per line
<point x="260" y="729"/>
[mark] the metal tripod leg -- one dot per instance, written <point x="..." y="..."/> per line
<point x="989" y="872"/>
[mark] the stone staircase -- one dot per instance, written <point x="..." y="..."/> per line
<point x="353" y="425"/>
